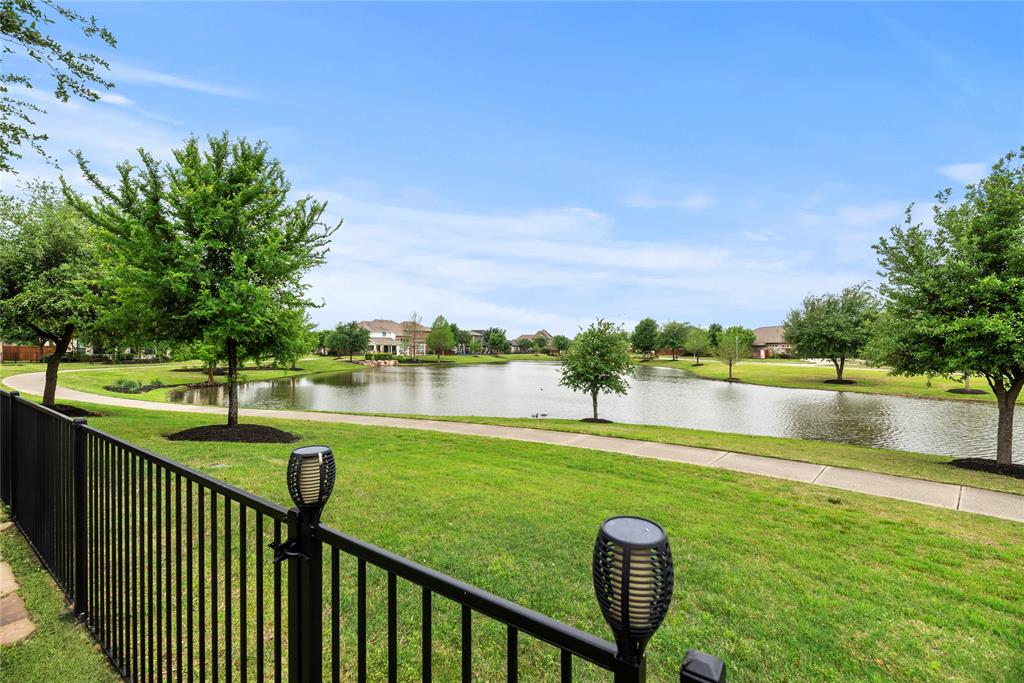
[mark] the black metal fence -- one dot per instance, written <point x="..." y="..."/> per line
<point x="171" y="572"/>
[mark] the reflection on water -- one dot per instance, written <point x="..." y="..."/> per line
<point x="659" y="396"/>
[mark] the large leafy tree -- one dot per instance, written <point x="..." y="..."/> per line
<point x="48" y="288"/>
<point x="954" y="295"/>
<point x="209" y="248"/>
<point x="348" y="338"/>
<point x="714" y="332"/>
<point x="598" y="361"/>
<point x="540" y="343"/>
<point x="440" y="338"/>
<point x="23" y="34"/>
<point x="561" y="343"/>
<point x="833" y="326"/>
<point x="673" y="337"/>
<point x="734" y="344"/>
<point x="496" y="340"/>
<point x="645" y="337"/>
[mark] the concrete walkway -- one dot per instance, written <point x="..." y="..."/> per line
<point x="951" y="496"/>
<point x="15" y="623"/>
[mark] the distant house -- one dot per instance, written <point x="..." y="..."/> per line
<point x="524" y="342"/>
<point x="388" y="336"/>
<point x="769" y="342"/>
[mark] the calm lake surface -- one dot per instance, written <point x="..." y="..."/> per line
<point x="659" y="396"/>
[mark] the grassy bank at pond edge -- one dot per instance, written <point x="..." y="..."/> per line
<point x="785" y="581"/>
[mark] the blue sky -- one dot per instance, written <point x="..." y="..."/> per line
<point x="539" y="165"/>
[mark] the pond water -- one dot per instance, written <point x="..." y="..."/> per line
<point x="659" y="396"/>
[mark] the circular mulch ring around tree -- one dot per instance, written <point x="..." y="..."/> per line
<point x="961" y="390"/>
<point x="73" y="411"/>
<point x="1015" y="470"/>
<point x="243" y="433"/>
<point x="596" y="420"/>
<point x="839" y="381"/>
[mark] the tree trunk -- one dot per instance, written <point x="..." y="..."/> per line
<point x="593" y="397"/>
<point x="209" y="374"/>
<point x="967" y="383"/>
<point x="1007" y="401"/>
<point x="840" y="366"/>
<point x="730" y="370"/>
<point x="53" y="364"/>
<point x="232" y="349"/>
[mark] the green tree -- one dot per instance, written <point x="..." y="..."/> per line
<point x="209" y="248"/>
<point x="673" y="336"/>
<point x="440" y="338"/>
<point x="475" y="346"/>
<point x="734" y="344"/>
<point x="23" y="25"/>
<point x="714" y="332"/>
<point x="598" y="361"/>
<point x="561" y="343"/>
<point x="464" y="339"/>
<point x="833" y="326"/>
<point x="48" y="274"/>
<point x="645" y="337"/>
<point x="496" y="340"/>
<point x="540" y="344"/>
<point x="412" y="332"/>
<point x="349" y="338"/>
<point x="698" y="341"/>
<point x="954" y="295"/>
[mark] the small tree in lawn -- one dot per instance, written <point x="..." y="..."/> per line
<point x="209" y="248"/>
<point x="954" y="295"/>
<point x="561" y="343"/>
<point x="734" y="344"/>
<point x="598" y="361"/>
<point x="440" y="338"/>
<point x="698" y="341"/>
<point x="673" y="337"/>
<point x="48" y="274"/>
<point x="475" y="346"/>
<point x="540" y="344"/>
<point x="349" y="338"/>
<point x="645" y="337"/>
<point x="833" y="326"/>
<point x="412" y="332"/>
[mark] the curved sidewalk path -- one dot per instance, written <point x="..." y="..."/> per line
<point x="951" y="496"/>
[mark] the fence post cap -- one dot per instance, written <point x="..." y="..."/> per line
<point x="700" y="667"/>
<point x="79" y="421"/>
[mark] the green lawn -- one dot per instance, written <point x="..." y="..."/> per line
<point x="59" y="649"/>
<point x="867" y="380"/>
<point x="902" y="463"/>
<point x="787" y="582"/>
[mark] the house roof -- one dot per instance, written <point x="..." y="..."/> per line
<point x="397" y="329"/>
<point x="531" y="337"/>
<point x="771" y="334"/>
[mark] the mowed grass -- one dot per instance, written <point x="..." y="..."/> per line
<point x="785" y="581"/>
<point x="866" y="380"/>
<point x="901" y="463"/>
<point x="59" y="649"/>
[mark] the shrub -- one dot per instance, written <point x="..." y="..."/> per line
<point x="156" y="383"/>
<point x="126" y="386"/>
<point x="369" y="356"/>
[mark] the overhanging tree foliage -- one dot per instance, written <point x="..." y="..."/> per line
<point x="954" y="295"/>
<point x="833" y="326"/>
<point x="23" y="26"/>
<point x="598" y="361"/>
<point x="209" y="248"/>
<point x="48" y="273"/>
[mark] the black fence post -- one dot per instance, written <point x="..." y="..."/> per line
<point x="81" y="542"/>
<point x="8" y="471"/>
<point x="305" y="601"/>
<point x="631" y="671"/>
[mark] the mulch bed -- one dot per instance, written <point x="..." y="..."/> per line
<point x="598" y="420"/>
<point x="219" y="372"/>
<point x="961" y="390"/>
<point x="73" y="411"/>
<point x="141" y="390"/>
<point x="1015" y="470"/>
<point x="839" y="381"/>
<point x="243" y="433"/>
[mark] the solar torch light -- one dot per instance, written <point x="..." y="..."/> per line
<point x="311" y="480"/>
<point x="633" y="579"/>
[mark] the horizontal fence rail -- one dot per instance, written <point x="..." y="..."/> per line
<point x="175" y="574"/>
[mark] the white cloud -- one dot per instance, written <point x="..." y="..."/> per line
<point x="692" y="201"/>
<point x="965" y="173"/>
<point x="117" y="100"/>
<point x="125" y="73"/>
